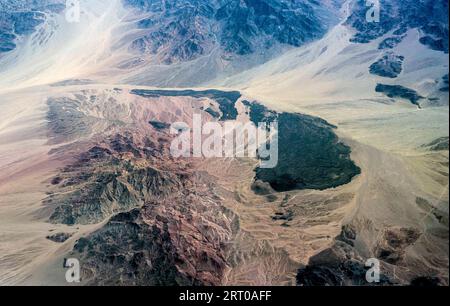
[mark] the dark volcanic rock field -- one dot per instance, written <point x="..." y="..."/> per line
<point x="310" y="154"/>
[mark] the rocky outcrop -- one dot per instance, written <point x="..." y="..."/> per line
<point x="398" y="91"/>
<point x="430" y="17"/>
<point x="389" y="66"/>
<point x="59" y="237"/>
<point x="185" y="30"/>
<point x="165" y="225"/>
<point x="444" y="88"/>
<point x="392" y="247"/>
<point x="302" y="139"/>
<point x="19" y="18"/>
<point x="391" y="42"/>
<point x="439" y="144"/>
<point x="340" y="265"/>
<point x="111" y="182"/>
<point x="251" y="25"/>
<point x="345" y="262"/>
<point x="179" y="240"/>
